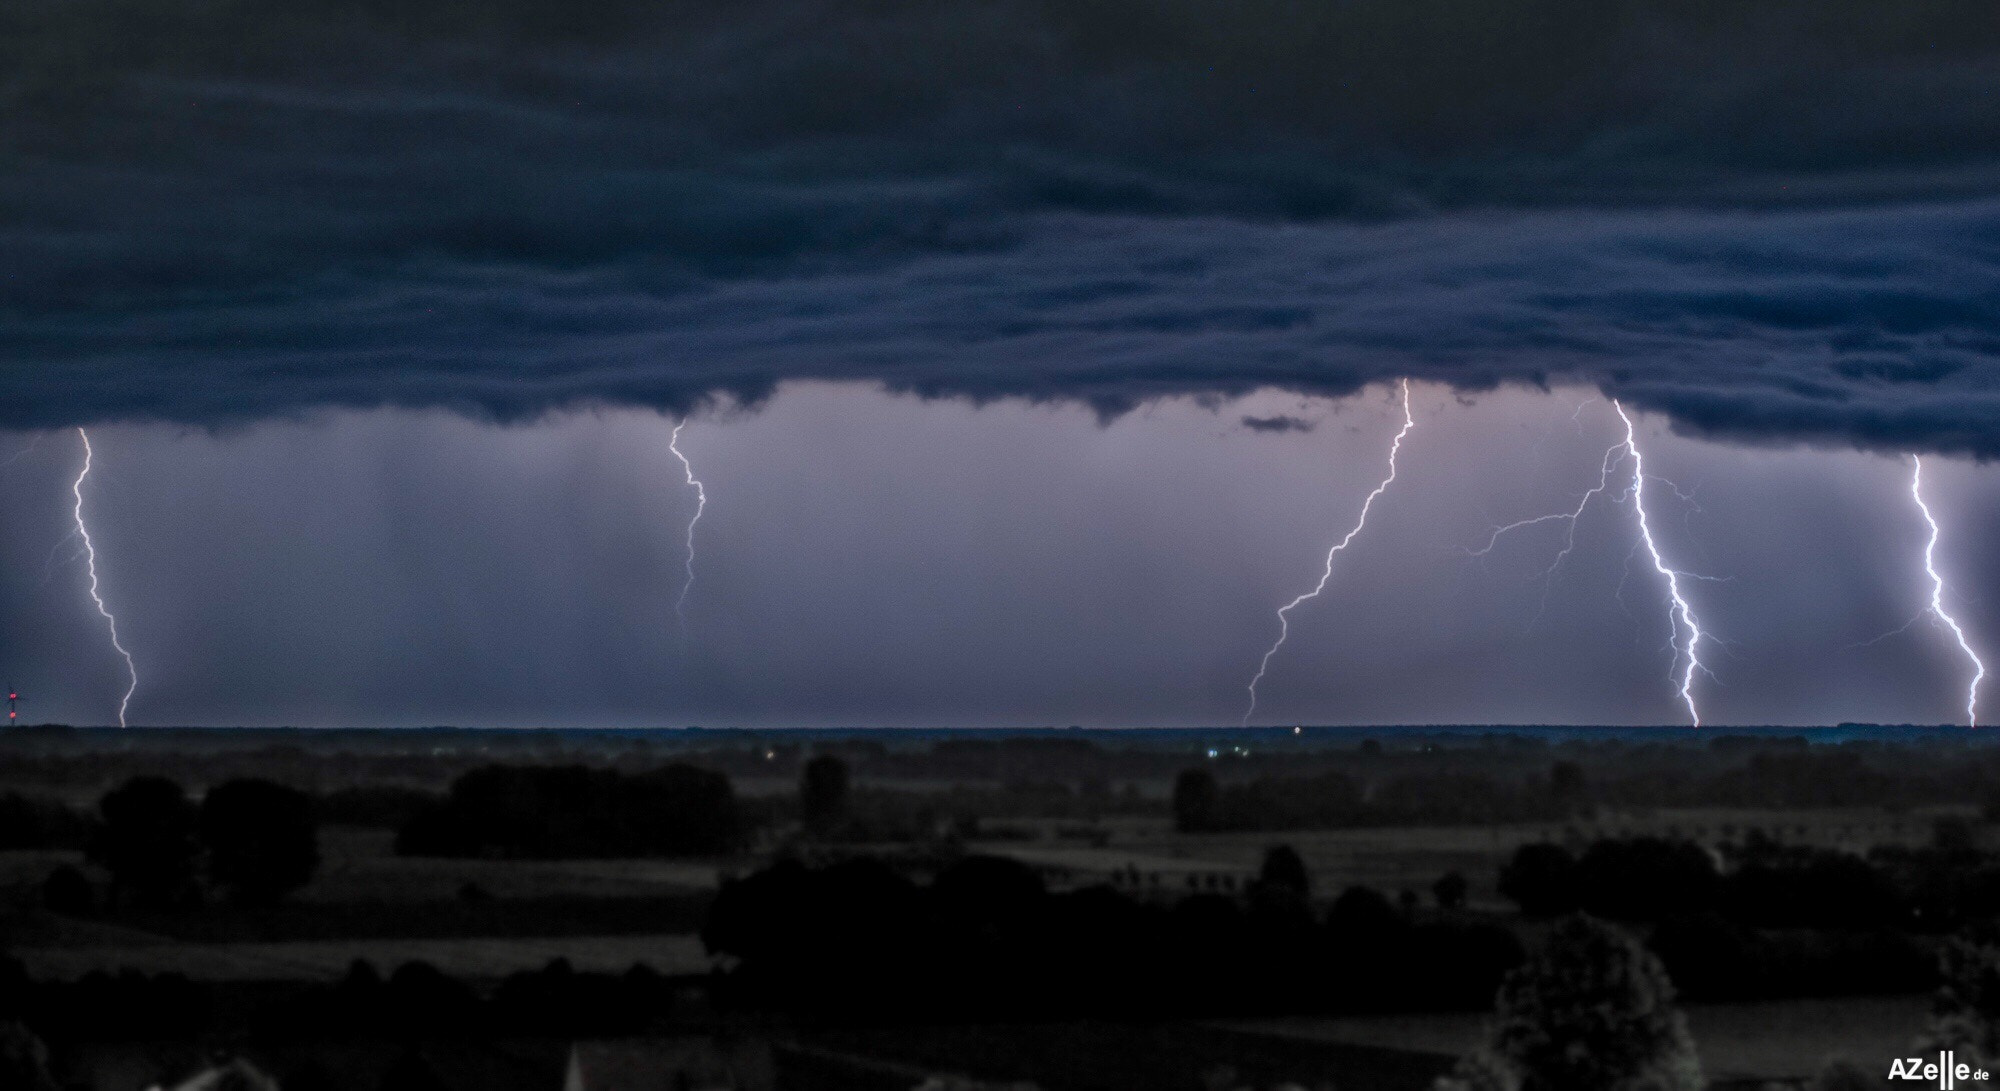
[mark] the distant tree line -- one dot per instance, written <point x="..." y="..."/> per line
<point x="987" y="939"/>
<point x="1759" y="883"/>
<point x="574" y="811"/>
<point x="1781" y="921"/>
<point x="1203" y="804"/>
<point x="1371" y="787"/>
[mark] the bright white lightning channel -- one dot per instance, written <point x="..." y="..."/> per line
<point x="1937" y="593"/>
<point x="700" y="504"/>
<point x="1284" y="625"/>
<point x="1683" y="614"/>
<point x="90" y="554"/>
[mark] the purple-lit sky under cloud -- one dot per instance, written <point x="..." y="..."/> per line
<point x="868" y="559"/>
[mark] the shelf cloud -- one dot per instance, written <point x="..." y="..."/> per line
<point x="1773" y="225"/>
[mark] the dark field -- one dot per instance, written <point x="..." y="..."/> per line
<point x="1068" y="909"/>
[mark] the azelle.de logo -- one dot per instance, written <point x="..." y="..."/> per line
<point x="1945" y="1072"/>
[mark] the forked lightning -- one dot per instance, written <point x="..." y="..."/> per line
<point x="1937" y="593"/>
<point x="1683" y="617"/>
<point x="96" y="595"/>
<point x="1284" y="625"/>
<point x="1612" y="456"/>
<point x="700" y="504"/>
<point x="1683" y="614"/>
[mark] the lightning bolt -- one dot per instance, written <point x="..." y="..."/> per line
<point x="1610" y="462"/>
<point x="24" y="452"/>
<point x="1683" y="613"/>
<point x="1937" y="594"/>
<point x="90" y="552"/>
<point x="1612" y="456"/>
<point x="1284" y="625"/>
<point x="701" y="503"/>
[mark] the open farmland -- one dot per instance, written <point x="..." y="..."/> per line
<point x="1776" y="1040"/>
<point x="1393" y="858"/>
<point x="362" y="865"/>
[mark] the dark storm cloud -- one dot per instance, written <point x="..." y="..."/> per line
<point x="1767" y="222"/>
<point x="1278" y="425"/>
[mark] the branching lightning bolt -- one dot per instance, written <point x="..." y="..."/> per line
<point x="90" y="554"/>
<point x="1612" y="456"/>
<point x="1284" y="625"/>
<point x="1683" y="613"/>
<point x="701" y="504"/>
<point x="1937" y="593"/>
<point x="1610" y="462"/>
<point x="34" y="442"/>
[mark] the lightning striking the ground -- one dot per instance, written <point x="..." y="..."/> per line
<point x="700" y="505"/>
<point x="1284" y="624"/>
<point x="96" y="595"/>
<point x="1937" y="594"/>
<point x="1683" y="613"/>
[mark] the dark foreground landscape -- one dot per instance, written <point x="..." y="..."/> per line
<point x="1064" y="909"/>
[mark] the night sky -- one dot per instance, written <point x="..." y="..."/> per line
<point x="1032" y="354"/>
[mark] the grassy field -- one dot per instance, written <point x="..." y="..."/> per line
<point x="366" y="902"/>
<point x="1388" y="859"/>
<point x="1772" y="1040"/>
<point x="361" y="865"/>
<point x="1089" y="1056"/>
<point x="1413" y="857"/>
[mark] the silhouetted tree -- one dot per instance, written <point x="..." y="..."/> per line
<point x="571" y="811"/>
<point x="1541" y="879"/>
<point x="261" y="838"/>
<point x="411" y="1072"/>
<point x="1450" y="891"/>
<point x="24" y="1060"/>
<point x="987" y="889"/>
<point x="823" y="793"/>
<point x="146" y="840"/>
<point x="1285" y="870"/>
<point x="1810" y="888"/>
<point x="1645" y="878"/>
<point x="1590" y="1010"/>
<point x="1363" y="911"/>
<point x="1197" y="801"/>
<point x="1965" y="1016"/>
<point x="68" y="892"/>
<point x="1952" y="833"/>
